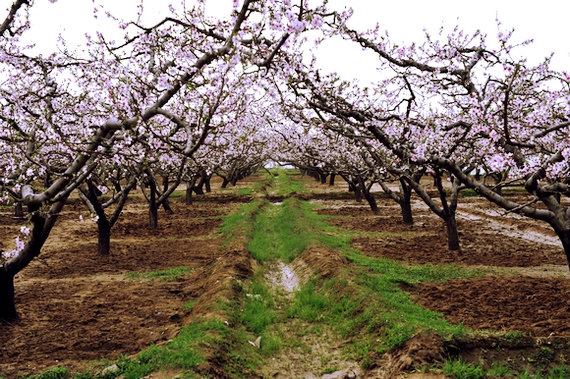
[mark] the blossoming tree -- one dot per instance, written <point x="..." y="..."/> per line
<point x="457" y="103"/>
<point x="69" y="109"/>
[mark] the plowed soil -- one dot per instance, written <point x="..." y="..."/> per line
<point x="76" y="307"/>
<point x="537" y="301"/>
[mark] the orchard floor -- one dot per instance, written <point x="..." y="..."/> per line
<point x="76" y="307"/>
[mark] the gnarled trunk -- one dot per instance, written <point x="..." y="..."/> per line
<point x="165" y="202"/>
<point x="357" y="194"/>
<point x="405" y="200"/>
<point x="207" y="183"/>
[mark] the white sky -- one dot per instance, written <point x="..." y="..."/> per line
<point x="545" y="22"/>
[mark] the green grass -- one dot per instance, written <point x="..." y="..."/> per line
<point x="365" y="302"/>
<point x="167" y="275"/>
<point x="284" y="231"/>
<point x="54" y="373"/>
<point x="244" y="191"/>
<point x="458" y="369"/>
<point x="258" y="310"/>
<point x="240" y="225"/>
<point x="287" y="186"/>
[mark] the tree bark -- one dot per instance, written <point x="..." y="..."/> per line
<point x="357" y="194"/>
<point x="152" y="208"/>
<point x="207" y="183"/>
<point x="406" y="207"/>
<point x="331" y="180"/>
<point x="371" y="200"/>
<point x="225" y="182"/>
<point x="18" y="210"/>
<point x="564" y="236"/>
<point x="452" y="233"/>
<point x="104" y="237"/>
<point x="166" y="203"/>
<point x="7" y="303"/>
<point x="166" y="206"/>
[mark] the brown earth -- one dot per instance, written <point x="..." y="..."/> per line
<point x="76" y="307"/>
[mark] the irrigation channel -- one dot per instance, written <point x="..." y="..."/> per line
<point x="282" y="277"/>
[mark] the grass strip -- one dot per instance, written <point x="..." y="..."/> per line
<point x="284" y="231"/>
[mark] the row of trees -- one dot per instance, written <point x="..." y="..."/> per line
<point x="171" y="99"/>
<point x="449" y="107"/>
<point x="191" y="96"/>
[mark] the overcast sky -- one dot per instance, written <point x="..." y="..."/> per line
<point x="545" y="22"/>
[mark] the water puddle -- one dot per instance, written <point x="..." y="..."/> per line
<point x="504" y="227"/>
<point x="283" y="276"/>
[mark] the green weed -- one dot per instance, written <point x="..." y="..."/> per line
<point x="244" y="191"/>
<point x="257" y="312"/>
<point x="240" y="225"/>
<point x="54" y="373"/>
<point x="514" y="336"/>
<point x="308" y="304"/>
<point x="188" y="306"/>
<point x="458" y="369"/>
<point x="542" y="357"/>
<point x="498" y="371"/>
<point x="329" y="370"/>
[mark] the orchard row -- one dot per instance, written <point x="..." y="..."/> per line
<point x="192" y="96"/>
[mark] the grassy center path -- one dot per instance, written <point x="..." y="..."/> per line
<point x="314" y="307"/>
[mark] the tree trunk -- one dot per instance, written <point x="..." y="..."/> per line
<point x="7" y="305"/>
<point x="452" y="233"/>
<point x="323" y="177"/>
<point x="564" y="236"/>
<point x="225" y="182"/>
<point x="406" y="207"/>
<point x="207" y="183"/>
<point x="331" y="180"/>
<point x="19" y="210"/>
<point x="188" y="195"/>
<point x="167" y="208"/>
<point x="405" y="201"/>
<point x="104" y="237"/>
<point x="152" y="208"/>
<point x="371" y="201"/>
<point x="357" y="194"/>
